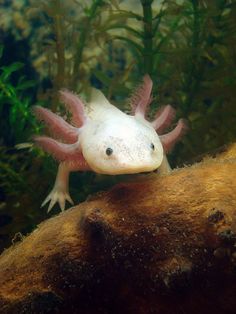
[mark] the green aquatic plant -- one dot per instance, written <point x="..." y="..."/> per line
<point x="143" y="35"/>
<point x="205" y="89"/>
<point x="70" y="30"/>
<point x="13" y="164"/>
<point x="14" y="105"/>
<point x="17" y="125"/>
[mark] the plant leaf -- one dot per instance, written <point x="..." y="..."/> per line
<point x="132" y="43"/>
<point x="102" y="77"/>
<point x="25" y="85"/>
<point x="9" y="69"/>
<point x="128" y="28"/>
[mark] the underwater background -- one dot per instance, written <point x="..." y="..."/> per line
<point x="188" y="47"/>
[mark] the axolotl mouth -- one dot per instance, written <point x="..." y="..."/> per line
<point x="131" y="169"/>
<point x="125" y="169"/>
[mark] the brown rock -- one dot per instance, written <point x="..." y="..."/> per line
<point x="163" y="245"/>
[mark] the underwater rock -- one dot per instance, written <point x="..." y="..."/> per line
<point x="163" y="245"/>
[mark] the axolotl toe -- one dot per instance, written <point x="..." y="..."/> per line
<point x="103" y="139"/>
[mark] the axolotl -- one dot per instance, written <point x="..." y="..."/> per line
<point x="103" y="139"/>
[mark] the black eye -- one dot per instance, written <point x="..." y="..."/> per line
<point x="109" y="151"/>
<point x="152" y="146"/>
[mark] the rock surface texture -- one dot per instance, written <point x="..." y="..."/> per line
<point x="161" y="245"/>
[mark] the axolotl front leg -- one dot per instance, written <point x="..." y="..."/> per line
<point x="71" y="160"/>
<point x="60" y="191"/>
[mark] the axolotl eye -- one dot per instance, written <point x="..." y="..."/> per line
<point x="109" y="151"/>
<point x="152" y="146"/>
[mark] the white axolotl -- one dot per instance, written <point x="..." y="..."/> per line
<point x="106" y="140"/>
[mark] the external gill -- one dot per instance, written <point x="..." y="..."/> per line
<point x="164" y="117"/>
<point x="57" y="126"/>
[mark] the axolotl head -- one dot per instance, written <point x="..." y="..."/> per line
<point x="122" y="144"/>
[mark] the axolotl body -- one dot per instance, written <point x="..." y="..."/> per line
<point x="103" y="139"/>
